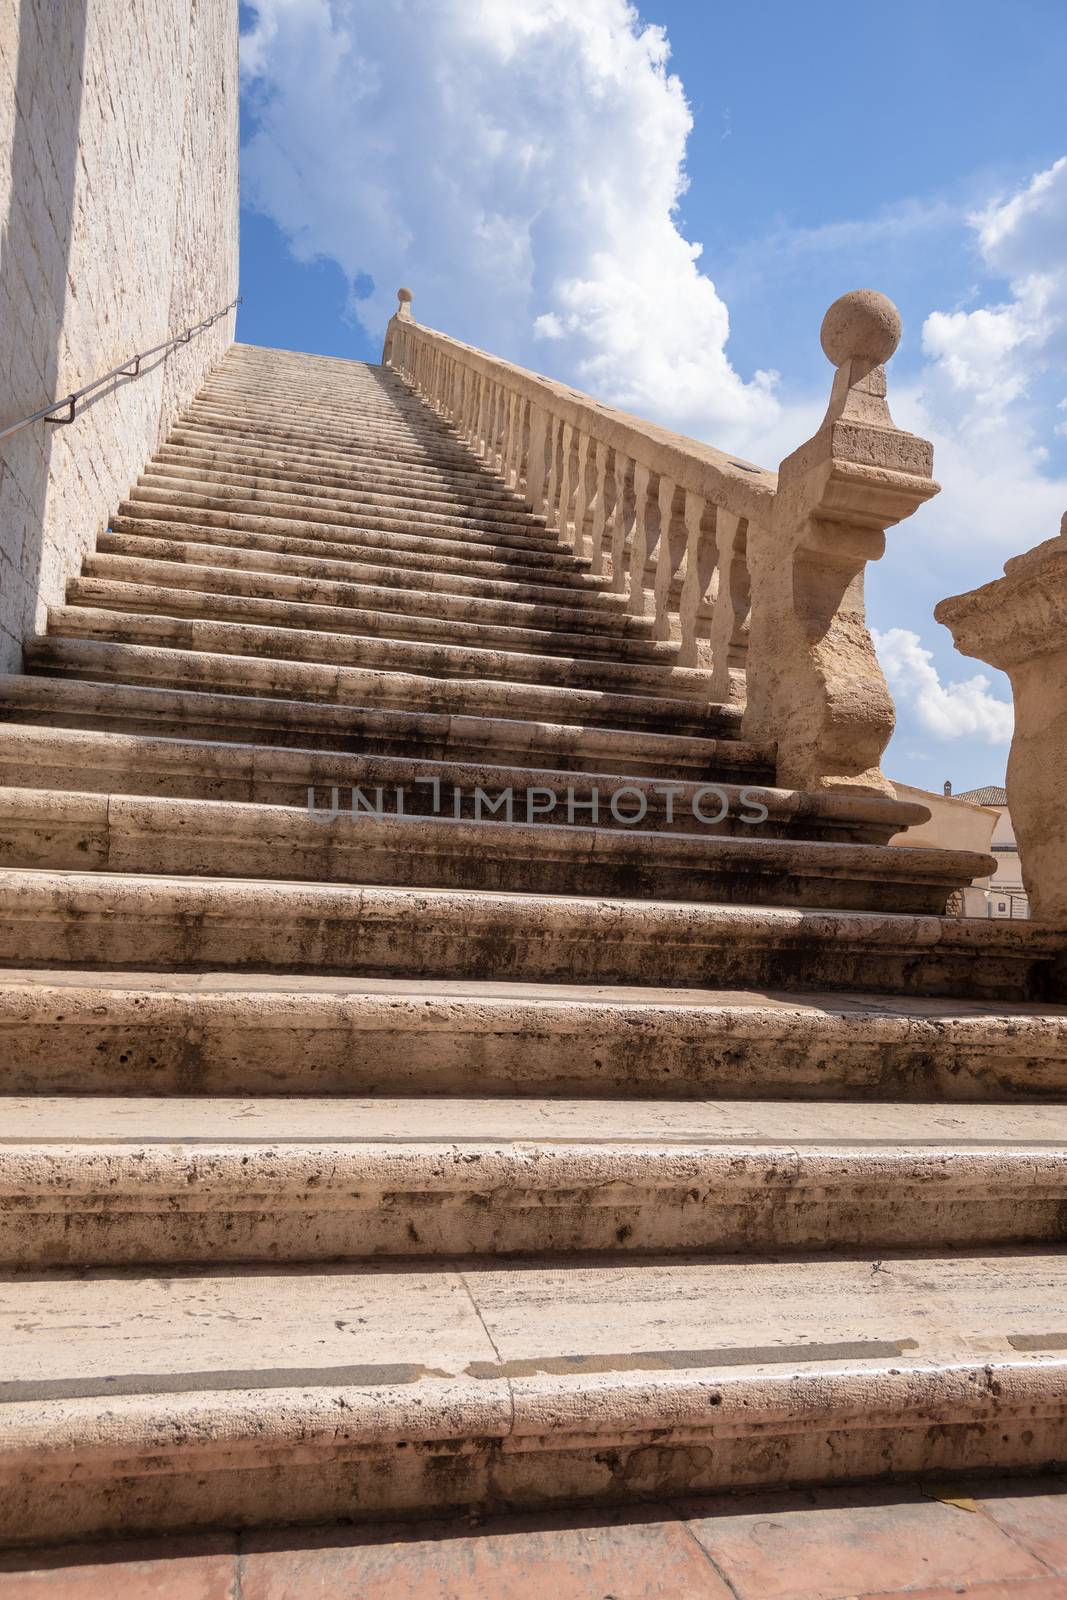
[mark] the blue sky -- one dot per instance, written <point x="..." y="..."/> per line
<point x="539" y="172"/>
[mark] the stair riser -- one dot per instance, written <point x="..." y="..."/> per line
<point x="219" y="598"/>
<point x="556" y="583"/>
<point x="114" y="833"/>
<point x="175" y="620"/>
<point x="342" y="1460"/>
<point x="51" y="921"/>
<point x="332" y="1204"/>
<point x="585" y="612"/>
<point x="469" y="545"/>
<point x="71" y="1039"/>
<point x="185" y="653"/>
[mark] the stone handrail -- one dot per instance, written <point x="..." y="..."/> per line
<point x="1019" y="624"/>
<point x="756" y="576"/>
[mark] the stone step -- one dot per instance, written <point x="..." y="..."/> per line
<point x="310" y="408"/>
<point x="558" y="585"/>
<point x="589" y="612"/>
<point x="464" y="475"/>
<point x="292" y="469"/>
<point x="273" y="507"/>
<point x="90" y="1182"/>
<point x="152" y="1399"/>
<point x="440" y="451"/>
<point x="397" y="672"/>
<point x="69" y="830"/>
<point x="240" y="1033"/>
<point x="131" y="708"/>
<point x="396" y="503"/>
<point x="132" y="583"/>
<point x="525" y="560"/>
<point x="64" y="758"/>
<point x="115" y="920"/>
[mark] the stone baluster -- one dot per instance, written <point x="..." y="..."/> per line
<point x="728" y="632"/>
<point x="700" y="568"/>
<point x="599" y="507"/>
<point x="566" y="480"/>
<point x="645" y="531"/>
<point x="1019" y="624"/>
<point x="582" y="495"/>
<point x="535" y="459"/>
<point x="814" y="684"/>
<point x="670" y="560"/>
<point x="622" y="520"/>
<point x="552" y="485"/>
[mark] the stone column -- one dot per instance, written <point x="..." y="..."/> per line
<point x="1019" y="623"/>
<point x="814" y="684"/>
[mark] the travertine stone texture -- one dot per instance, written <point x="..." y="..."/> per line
<point x="1019" y="623"/>
<point x="118" y="183"/>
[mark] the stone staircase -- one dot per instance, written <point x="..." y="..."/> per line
<point x="578" y="1114"/>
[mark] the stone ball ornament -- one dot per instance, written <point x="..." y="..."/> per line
<point x="405" y="296"/>
<point x="862" y="325"/>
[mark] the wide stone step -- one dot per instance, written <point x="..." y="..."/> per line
<point x="110" y="1181"/>
<point x="273" y="507"/>
<point x="180" y="459"/>
<point x="525" y="560"/>
<point x="367" y="495"/>
<point x="64" y="758"/>
<point x="396" y="672"/>
<point x="464" y="477"/>
<point x="590" y="612"/>
<point x="240" y="1033"/>
<point x="114" y="832"/>
<point x="558" y="585"/>
<point x="153" y="1399"/>
<point x="113" y="920"/>
<point x="250" y="717"/>
<point x="230" y="594"/>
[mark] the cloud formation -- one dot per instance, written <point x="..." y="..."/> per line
<point x="961" y="709"/>
<point x="518" y="163"/>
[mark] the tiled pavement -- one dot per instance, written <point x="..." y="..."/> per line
<point x="993" y="1540"/>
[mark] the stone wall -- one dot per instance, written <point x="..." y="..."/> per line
<point x="118" y="197"/>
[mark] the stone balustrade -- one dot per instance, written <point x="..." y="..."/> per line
<point x="756" y="576"/>
<point x="1019" y="623"/>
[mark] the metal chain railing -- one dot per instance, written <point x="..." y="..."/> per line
<point x="130" y="368"/>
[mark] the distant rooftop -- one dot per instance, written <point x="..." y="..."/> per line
<point x="991" y="795"/>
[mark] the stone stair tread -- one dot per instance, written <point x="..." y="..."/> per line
<point x="363" y="1384"/>
<point x="209" y="655"/>
<point x="348" y="726"/>
<point x="226" y="1032"/>
<point x="111" y="831"/>
<point x="200" y="769"/>
<point x="113" y="919"/>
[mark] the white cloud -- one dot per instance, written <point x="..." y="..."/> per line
<point x="519" y="164"/>
<point x="961" y="709"/>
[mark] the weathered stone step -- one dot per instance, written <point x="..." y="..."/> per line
<point x="555" y="584"/>
<point x="154" y="1399"/>
<point x="273" y="506"/>
<point x="439" y="451"/>
<point x="594" y="611"/>
<point x="118" y="1181"/>
<point x="113" y="920"/>
<point x="139" y="584"/>
<point x="131" y="708"/>
<point x="114" y="832"/>
<point x="464" y="477"/>
<point x="392" y="501"/>
<point x="239" y="1033"/>
<point x="653" y="696"/>
<point x="523" y="561"/>
<point x="65" y="758"/>
<point x="180" y="460"/>
<point x="309" y="406"/>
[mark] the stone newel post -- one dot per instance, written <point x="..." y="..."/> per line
<point x="401" y="314"/>
<point x="814" y="683"/>
<point x="1019" y="623"/>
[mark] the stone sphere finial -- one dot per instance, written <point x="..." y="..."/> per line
<point x="862" y="325"/>
<point x="404" y="296"/>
